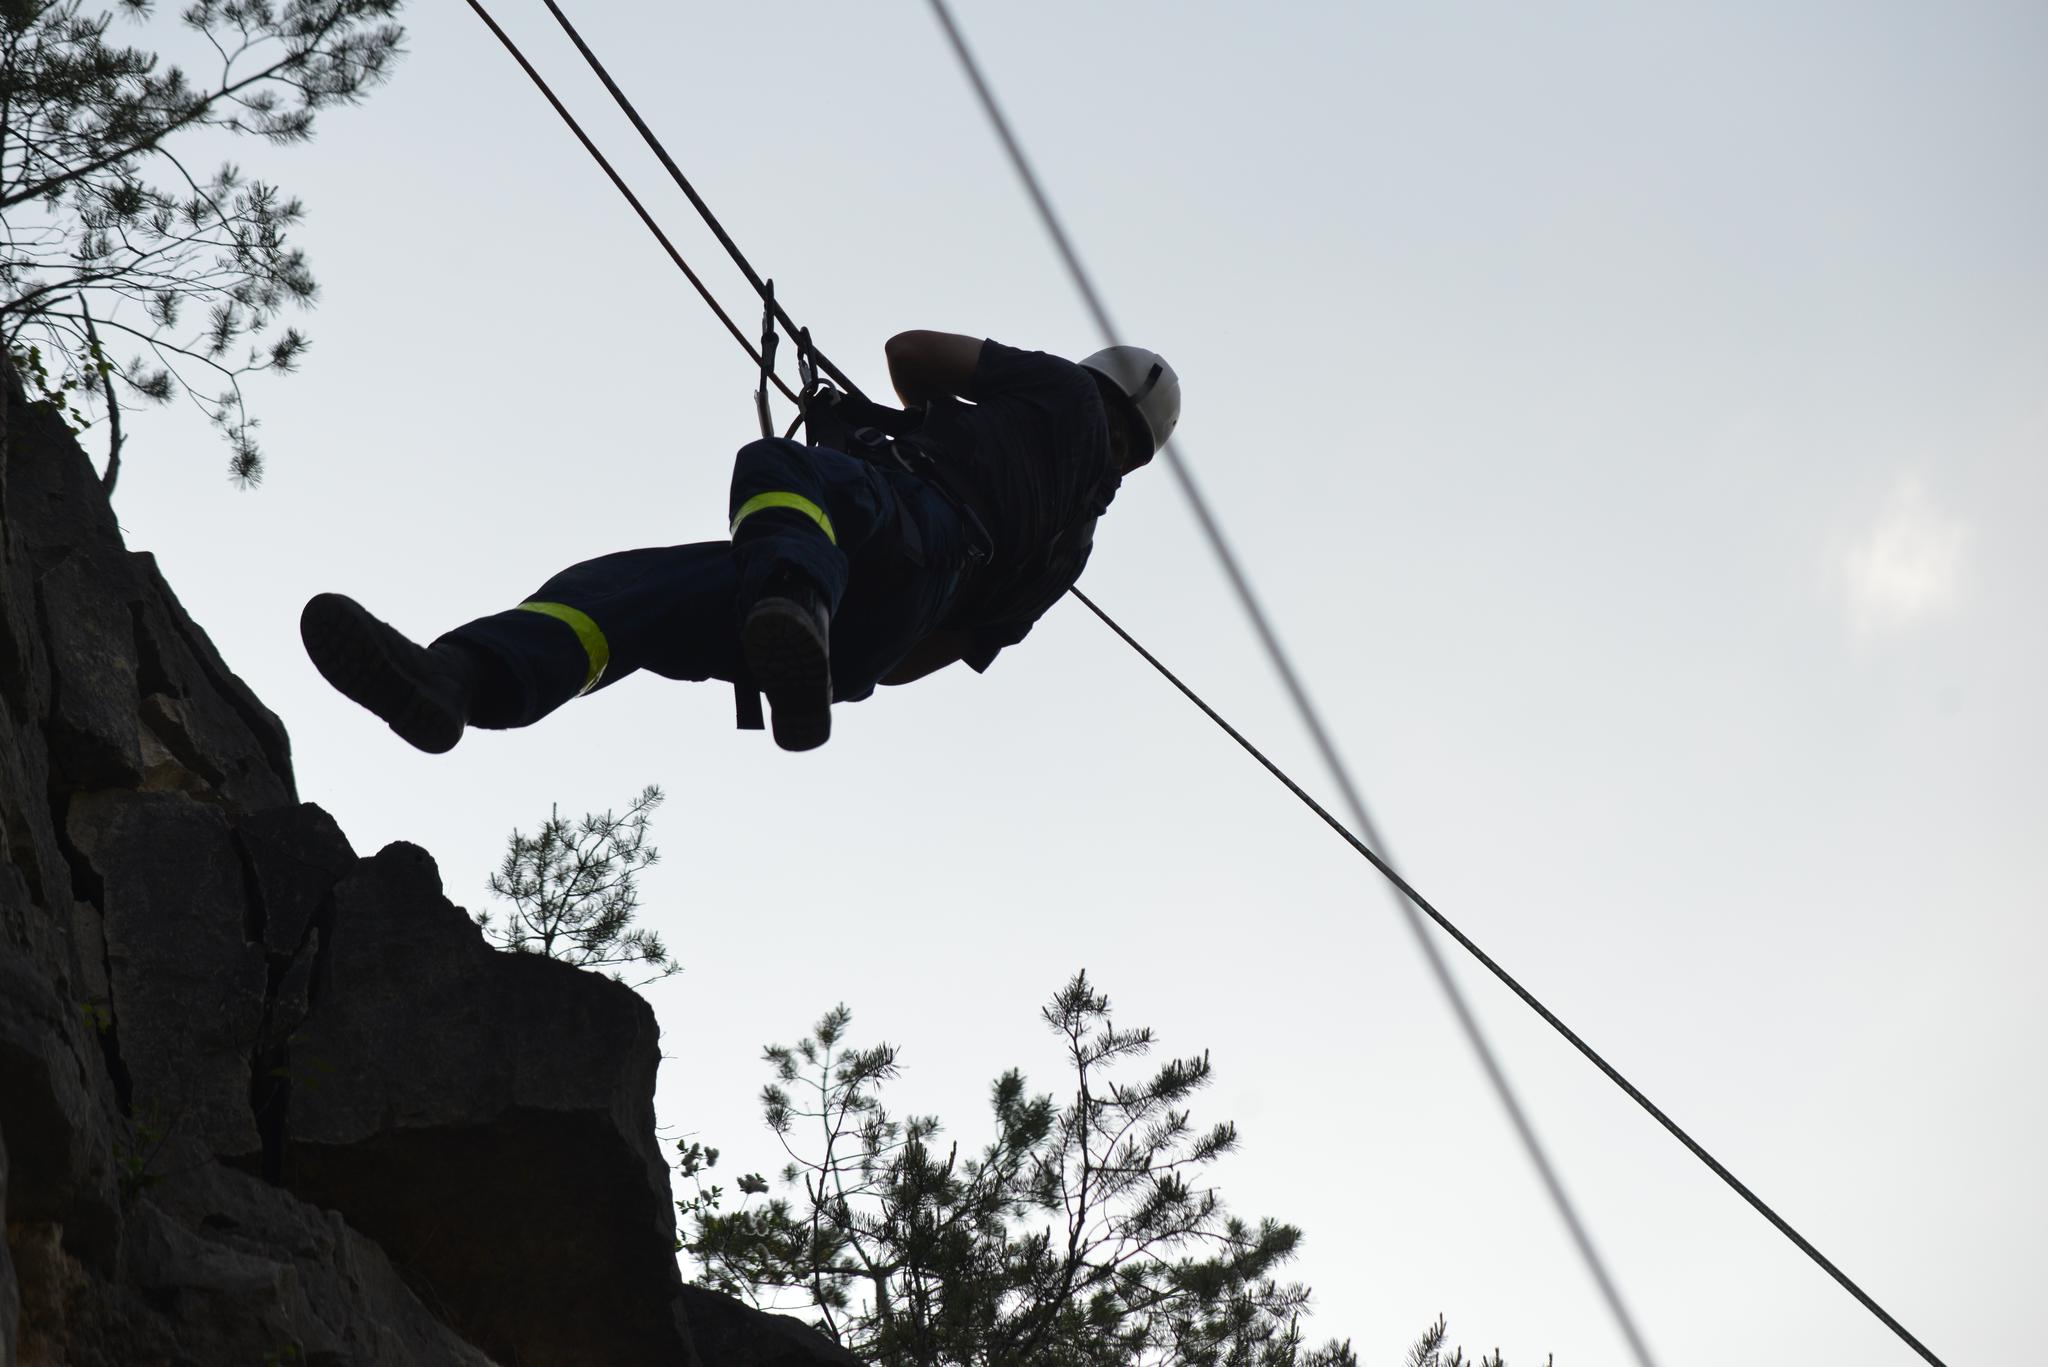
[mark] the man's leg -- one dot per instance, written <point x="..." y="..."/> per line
<point x="899" y="586"/>
<point x="668" y="609"/>
<point x="798" y="513"/>
<point x="423" y="693"/>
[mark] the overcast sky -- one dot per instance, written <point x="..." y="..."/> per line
<point x="1635" y="417"/>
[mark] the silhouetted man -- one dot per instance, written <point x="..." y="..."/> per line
<point x="897" y="543"/>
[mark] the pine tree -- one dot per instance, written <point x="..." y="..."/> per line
<point x="574" y="891"/>
<point x="1085" y="1233"/>
<point x="107" y="232"/>
<point x="1428" y="1351"/>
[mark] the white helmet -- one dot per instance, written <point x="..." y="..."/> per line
<point x="1144" y="378"/>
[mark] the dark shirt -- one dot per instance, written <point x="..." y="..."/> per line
<point x="1031" y="455"/>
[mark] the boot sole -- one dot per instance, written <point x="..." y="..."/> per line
<point x="790" y="667"/>
<point x="354" y="652"/>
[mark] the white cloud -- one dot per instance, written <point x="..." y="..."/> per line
<point x="1907" y="566"/>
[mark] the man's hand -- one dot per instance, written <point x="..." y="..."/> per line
<point x="934" y="652"/>
<point x="931" y="365"/>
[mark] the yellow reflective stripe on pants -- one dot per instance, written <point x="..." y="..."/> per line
<point x="796" y="502"/>
<point x="594" y="644"/>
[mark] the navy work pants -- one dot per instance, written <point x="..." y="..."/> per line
<point x="884" y="549"/>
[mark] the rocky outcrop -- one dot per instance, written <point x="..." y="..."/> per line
<point x="220" y="1267"/>
<point x="517" y="1110"/>
<point x="262" y="1099"/>
<point x="735" y="1335"/>
<point x="10" y="1289"/>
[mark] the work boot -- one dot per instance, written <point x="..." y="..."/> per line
<point x="785" y="640"/>
<point x="424" y="694"/>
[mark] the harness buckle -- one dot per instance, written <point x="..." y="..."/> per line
<point x="806" y="363"/>
<point x="768" y="340"/>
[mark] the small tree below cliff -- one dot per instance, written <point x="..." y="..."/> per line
<point x="574" y="891"/>
<point x="1086" y="1233"/>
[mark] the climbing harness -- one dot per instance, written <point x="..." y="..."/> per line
<point x="816" y="401"/>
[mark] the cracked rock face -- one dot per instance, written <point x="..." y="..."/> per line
<point x="517" y="1109"/>
<point x="184" y="985"/>
<point x="262" y="1099"/>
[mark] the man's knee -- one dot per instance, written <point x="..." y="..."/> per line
<point x="770" y="455"/>
<point x="778" y="478"/>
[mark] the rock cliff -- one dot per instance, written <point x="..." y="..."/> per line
<point x="262" y="1099"/>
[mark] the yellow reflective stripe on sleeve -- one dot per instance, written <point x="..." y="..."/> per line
<point x="781" y="500"/>
<point x="594" y="644"/>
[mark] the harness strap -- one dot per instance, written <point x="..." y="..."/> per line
<point x="746" y="705"/>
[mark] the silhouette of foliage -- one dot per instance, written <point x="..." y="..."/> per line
<point x="1085" y="1233"/>
<point x="196" y="268"/>
<point x="1428" y="1351"/>
<point x="574" y="891"/>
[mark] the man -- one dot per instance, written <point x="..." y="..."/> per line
<point x="899" y="543"/>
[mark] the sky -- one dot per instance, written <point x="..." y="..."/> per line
<point x="1634" y="418"/>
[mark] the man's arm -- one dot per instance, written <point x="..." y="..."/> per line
<point x="932" y="365"/>
<point x="934" y="652"/>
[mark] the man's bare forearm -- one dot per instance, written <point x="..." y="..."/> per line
<point x="932" y="365"/>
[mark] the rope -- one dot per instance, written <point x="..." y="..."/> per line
<point x="1513" y="985"/>
<point x="1410" y="899"/>
<point x="1413" y="898"/>
<point x="624" y="189"/>
<point x="1310" y="717"/>
<point x="703" y="210"/>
